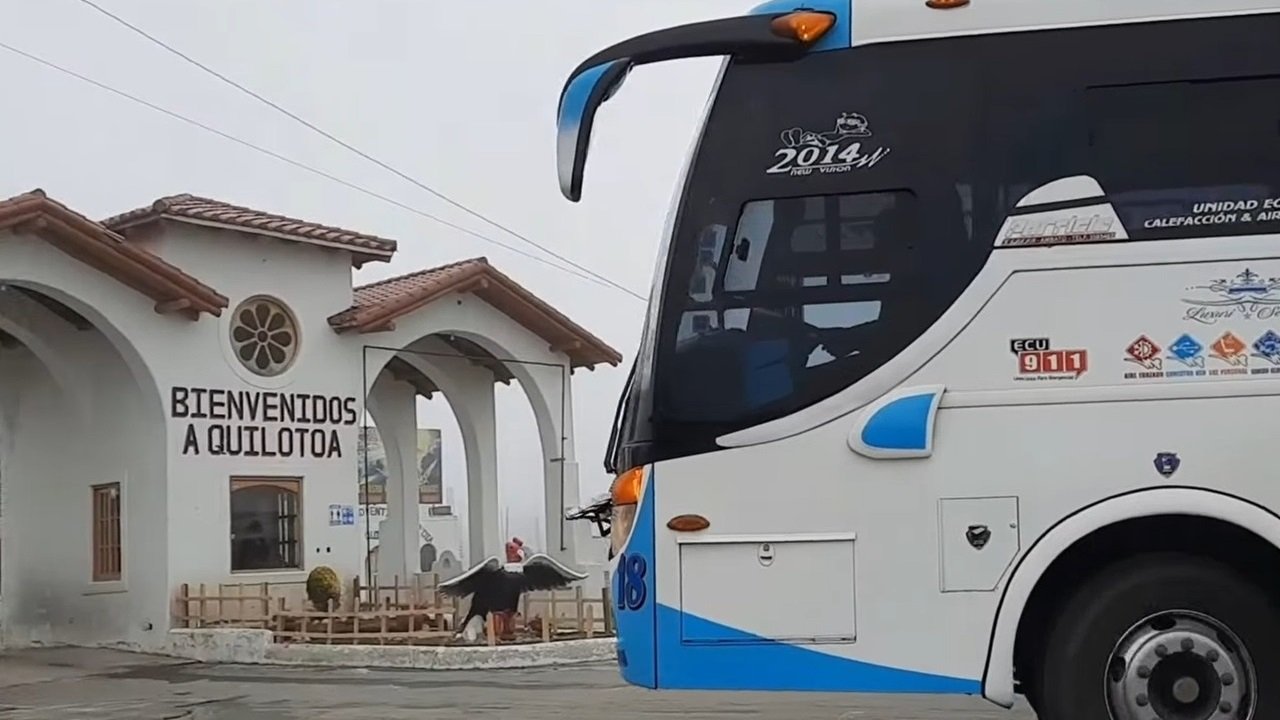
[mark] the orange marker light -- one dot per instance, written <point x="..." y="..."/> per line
<point x="945" y="4"/>
<point x="804" y="25"/>
<point x="627" y="487"/>
<point x="688" y="523"/>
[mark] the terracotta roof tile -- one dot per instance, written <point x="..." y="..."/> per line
<point x="376" y="306"/>
<point x="100" y="248"/>
<point x="192" y="207"/>
<point x="395" y="288"/>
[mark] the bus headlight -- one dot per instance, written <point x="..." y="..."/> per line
<point x="626" y="492"/>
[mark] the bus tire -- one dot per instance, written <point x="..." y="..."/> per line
<point x="1146" y="636"/>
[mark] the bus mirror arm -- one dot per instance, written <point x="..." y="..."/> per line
<point x="598" y="78"/>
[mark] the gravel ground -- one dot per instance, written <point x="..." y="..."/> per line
<point x="52" y="684"/>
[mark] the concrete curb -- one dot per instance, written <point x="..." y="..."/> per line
<point x="255" y="647"/>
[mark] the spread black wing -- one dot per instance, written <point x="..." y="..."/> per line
<point x="542" y="572"/>
<point x="479" y="579"/>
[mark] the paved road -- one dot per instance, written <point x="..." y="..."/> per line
<point x="66" y="683"/>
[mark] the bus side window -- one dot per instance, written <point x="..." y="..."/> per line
<point x="743" y="271"/>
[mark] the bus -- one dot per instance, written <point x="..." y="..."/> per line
<point x="957" y="364"/>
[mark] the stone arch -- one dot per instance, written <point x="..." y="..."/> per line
<point x="546" y="388"/>
<point x="138" y="366"/>
<point x="105" y="409"/>
<point x="62" y="372"/>
<point x="474" y="415"/>
<point x="472" y="301"/>
<point x="548" y="414"/>
<point x="426" y="557"/>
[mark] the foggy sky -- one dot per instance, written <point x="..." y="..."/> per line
<point x="461" y="96"/>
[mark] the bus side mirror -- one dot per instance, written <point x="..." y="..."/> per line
<point x="582" y="96"/>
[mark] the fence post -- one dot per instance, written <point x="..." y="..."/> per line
<point x="328" y="637"/>
<point x="203" y="607"/>
<point x="184" y="592"/>
<point x="265" y="597"/>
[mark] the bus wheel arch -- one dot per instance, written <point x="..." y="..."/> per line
<point x="1207" y="524"/>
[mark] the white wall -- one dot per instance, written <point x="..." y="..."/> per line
<point x="195" y="512"/>
<point x="97" y="406"/>
<point x="445" y="530"/>
<point x="60" y="440"/>
<point x="314" y="284"/>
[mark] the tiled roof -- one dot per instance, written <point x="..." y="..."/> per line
<point x="376" y="306"/>
<point x="192" y="208"/>
<point x="172" y="289"/>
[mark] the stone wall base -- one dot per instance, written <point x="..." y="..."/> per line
<point x="255" y="647"/>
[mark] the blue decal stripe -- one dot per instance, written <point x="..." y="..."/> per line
<point x="636" y="626"/>
<point x="902" y="424"/>
<point x="574" y="102"/>
<point x="752" y="662"/>
<point x="839" y="36"/>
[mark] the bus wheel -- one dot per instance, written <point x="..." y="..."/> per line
<point x="1163" y="637"/>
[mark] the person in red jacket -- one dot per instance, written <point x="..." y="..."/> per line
<point x="515" y="550"/>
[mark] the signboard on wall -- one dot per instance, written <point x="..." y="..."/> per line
<point x="430" y="472"/>
<point x="256" y="423"/>
<point x="372" y="460"/>
<point x="342" y="515"/>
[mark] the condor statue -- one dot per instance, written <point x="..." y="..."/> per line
<point x="496" y="588"/>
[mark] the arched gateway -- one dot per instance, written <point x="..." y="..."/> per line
<point x="156" y="431"/>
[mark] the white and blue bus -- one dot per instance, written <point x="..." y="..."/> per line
<point x="958" y="363"/>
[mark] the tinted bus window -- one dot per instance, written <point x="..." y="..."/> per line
<point x="794" y="303"/>
<point x="1178" y="121"/>
<point x="831" y="216"/>
<point x="1189" y="159"/>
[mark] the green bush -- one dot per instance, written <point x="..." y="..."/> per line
<point x="324" y="585"/>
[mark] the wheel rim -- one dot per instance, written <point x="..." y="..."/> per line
<point x="1180" y="665"/>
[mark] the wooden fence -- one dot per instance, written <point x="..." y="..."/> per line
<point x="395" y="614"/>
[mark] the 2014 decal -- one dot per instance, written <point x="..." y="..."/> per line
<point x="832" y="151"/>
<point x="632" y="582"/>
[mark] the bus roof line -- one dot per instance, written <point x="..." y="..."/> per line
<point x="878" y="21"/>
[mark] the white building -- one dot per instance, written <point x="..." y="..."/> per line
<point x="180" y="395"/>
<point x="441" y="545"/>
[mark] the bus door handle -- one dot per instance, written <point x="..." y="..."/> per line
<point x="688" y="523"/>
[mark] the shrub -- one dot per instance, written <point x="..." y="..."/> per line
<point x="323" y="585"/>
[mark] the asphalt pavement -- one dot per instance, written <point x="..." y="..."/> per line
<point x="52" y="684"/>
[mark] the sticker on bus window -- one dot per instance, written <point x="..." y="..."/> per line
<point x="1038" y="359"/>
<point x="841" y="149"/>
<point x="1060" y="228"/>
